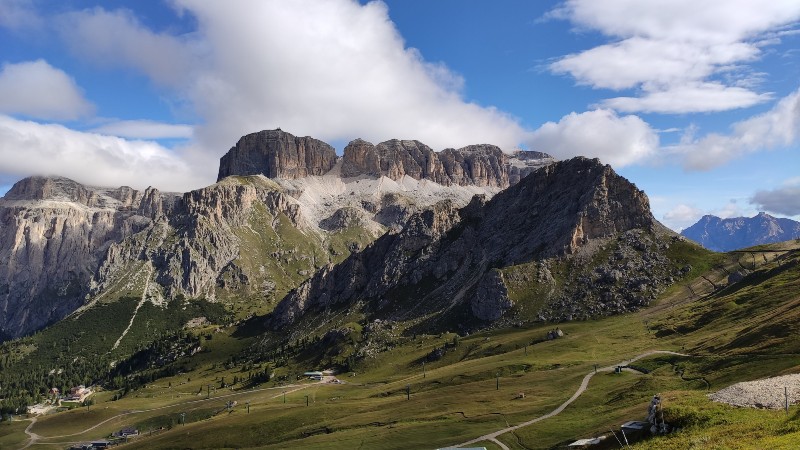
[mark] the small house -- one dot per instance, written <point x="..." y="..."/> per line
<point x="127" y="431"/>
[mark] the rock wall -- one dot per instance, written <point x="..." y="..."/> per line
<point x="53" y="234"/>
<point x="476" y="165"/>
<point x="277" y="154"/>
<point x="280" y="155"/>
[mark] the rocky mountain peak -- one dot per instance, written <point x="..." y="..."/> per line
<point x="449" y="259"/>
<point x="473" y="165"/>
<point x="48" y="188"/>
<point x="277" y="154"/>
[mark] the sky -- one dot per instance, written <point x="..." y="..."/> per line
<point x="697" y="103"/>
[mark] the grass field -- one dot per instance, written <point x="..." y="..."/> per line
<point x="733" y="335"/>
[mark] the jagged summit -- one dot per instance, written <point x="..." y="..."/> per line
<point x="449" y="263"/>
<point x="278" y="154"/>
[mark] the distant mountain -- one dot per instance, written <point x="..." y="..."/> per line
<point x="724" y="235"/>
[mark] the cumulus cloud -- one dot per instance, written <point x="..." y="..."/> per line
<point x="38" y="90"/>
<point x="118" y="39"/>
<point x="670" y="51"/>
<point x="145" y="129"/>
<point x="334" y="70"/>
<point x="783" y="200"/>
<point x="601" y="133"/>
<point x="29" y="148"/>
<point x="779" y="127"/>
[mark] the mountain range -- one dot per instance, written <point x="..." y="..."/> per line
<point x="722" y="235"/>
<point x="370" y="264"/>
<point x="284" y="206"/>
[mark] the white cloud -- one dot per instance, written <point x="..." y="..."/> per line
<point x="333" y="70"/>
<point x="783" y="200"/>
<point x="672" y="50"/>
<point x="601" y="133"/>
<point x="682" y="216"/>
<point x="18" y="15"/>
<point x="688" y="98"/>
<point x="39" y="90"/>
<point x="145" y="129"/>
<point x="29" y="148"/>
<point x="730" y="209"/>
<point x="776" y="128"/>
<point x="118" y="39"/>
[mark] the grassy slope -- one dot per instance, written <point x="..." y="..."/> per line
<point x="457" y="399"/>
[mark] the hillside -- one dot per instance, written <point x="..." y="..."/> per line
<point x="573" y="241"/>
<point x="462" y="319"/>
<point x="722" y="235"/>
<point x="474" y="387"/>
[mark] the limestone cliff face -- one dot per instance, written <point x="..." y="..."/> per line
<point x="53" y="234"/>
<point x="474" y="165"/>
<point x="449" y="260"/>
<point x="277" y="154"/>
<point x="280" y="155"/>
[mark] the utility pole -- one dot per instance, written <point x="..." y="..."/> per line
<point x="208" y="392"/>
<point x="284" y="396"/>
<point x="248" y="407"/>
<point x="526" y="349"/>
<point x="423" y="369"/>
<point x="306" y="400"/>
<point x="497" y="387"/>
<point x="408" y="392"/>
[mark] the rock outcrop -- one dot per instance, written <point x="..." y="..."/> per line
<point x="280" y="155"/>
<point x="722" y="235"/>
<point x="53" y="234"/>
<point x="283" y="207"/>
<point x="449" y="260"/>
<point x="475" y="165"/>
<point x="277" y="154"/>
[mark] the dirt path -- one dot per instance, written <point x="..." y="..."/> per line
<point x="584" y="384"/>
<point x="35" y="438"/>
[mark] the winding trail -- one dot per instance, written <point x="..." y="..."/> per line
<point x="141" y="302"/>
<point x="34" y="438"/>
<point x="584" y="384"/>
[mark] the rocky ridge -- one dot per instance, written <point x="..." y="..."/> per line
<point x="53" y="234"/>
<point x="383" y="184"/>
<point x="280" y="155"/>
<point x="475" y="165"/>
<point x="283" y="208"/>
<point x="467" y="262"/>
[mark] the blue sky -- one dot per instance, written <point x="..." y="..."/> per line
<point x="698" y="104"/>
